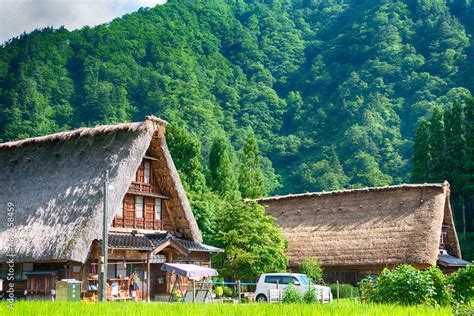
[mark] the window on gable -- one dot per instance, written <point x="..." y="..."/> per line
<point x="157" y="209"/>
<point x="139" y="206"/>
<point x="147" y="172"/>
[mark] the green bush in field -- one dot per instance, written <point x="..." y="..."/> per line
<point x="219" y="291"/>
<point x="313" y="269"/>
<point x="227" y="291"/>
<point x="310" y="296"/>
<point x="463" y="282"/>
<point x="442" y="295"/>
<point x="466" y="309"/>
<point x="407" y="285"/>
<point x="368" y="289"/>
<point x="345" y="291"/>
<point x="292" y="295"/>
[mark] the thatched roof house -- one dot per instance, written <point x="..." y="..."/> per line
<point x="367" y="229"/>
<point x="55" y="183"/>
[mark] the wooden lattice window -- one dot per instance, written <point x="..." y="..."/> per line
<point x="139" y="206"/>
<point x="442" y="238"/>
<point x="146" y="171"/>
<point x="157" y="209"/>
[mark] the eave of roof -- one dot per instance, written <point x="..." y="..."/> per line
<point x="451" y="261"/>
<point x="154" y="241"/>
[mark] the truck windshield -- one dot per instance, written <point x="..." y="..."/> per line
<point x="304" y="280"/>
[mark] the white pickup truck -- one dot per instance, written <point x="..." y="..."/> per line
<point x="269" y="282"/>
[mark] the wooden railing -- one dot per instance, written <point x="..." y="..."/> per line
<point x="143" y="187"/>
<point x="138" y="223"/>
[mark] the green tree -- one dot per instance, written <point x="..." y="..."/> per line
<point x="222" y="177"/>
<point x="365" y="171"/>
<point x="469" y="167"/>
<point x="251" y="179"/>
<point x="421" y="154"/>
<point x="437" y="147"/>
<point x="455" y="146"/>
<point x="253" y="244"/>
<point x="313" y="269"/>
<point x="455" y="154"/>
<point x="186" y="151"/>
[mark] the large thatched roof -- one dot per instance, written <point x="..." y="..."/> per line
<point x="386" y="225"/>
<point x="55" y="183"/>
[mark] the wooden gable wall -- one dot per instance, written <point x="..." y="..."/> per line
<point x="149" y="192"/>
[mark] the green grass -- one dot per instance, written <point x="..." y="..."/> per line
<point x="131" y="308"/>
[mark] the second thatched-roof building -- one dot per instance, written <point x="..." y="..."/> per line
<point x="354" y="233"/>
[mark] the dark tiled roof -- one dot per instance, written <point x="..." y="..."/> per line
<point x="130" y="242"/>
<point x="192" y="246"/>
<point x="447" y="260"/>
<point x="159" y="239"/>
<point x="152" y="241"/>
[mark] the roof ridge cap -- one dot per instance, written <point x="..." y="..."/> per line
<point x="347" y="191"/>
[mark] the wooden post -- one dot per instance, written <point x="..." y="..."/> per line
<point x="148" y="276"/>
<point x="105" y="234"/>
<point x="194" y="290"/>
<point x="337" y="289"/>
<point x="279" y="292"/>
<point x="240" y="290"/>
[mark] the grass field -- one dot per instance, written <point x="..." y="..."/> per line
<point x="336" y="308"/>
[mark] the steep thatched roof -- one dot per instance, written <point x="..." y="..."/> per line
<point x="385" y="225"/>
<point x="55" y="183"/>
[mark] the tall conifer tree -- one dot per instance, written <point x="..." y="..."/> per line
<point x="437" y="147"/>
<point x="455" y="154"/>
<point x="455" y="146"/>
<point x="469" y="165"/>
<point x="251" y="179"/>
<point x="421" y="154"/>
<point x="223" y="179"/>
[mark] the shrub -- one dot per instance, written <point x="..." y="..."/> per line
<point x="292" y="295"/>
<point x="219" y="291"/>
<point x="466" y="309"/>
<point x="368" y="289"/>
<point x="406" y="285"/>
<point x="345" y="291"/>
<point x="227" y="291"/>
<point x="442" y="295"/>
<point x="463" y="282"/>
<point x="310" y="296"/>
<point x="313" y="269"/>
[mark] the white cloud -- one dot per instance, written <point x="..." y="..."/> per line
<point x="18" y="16"/>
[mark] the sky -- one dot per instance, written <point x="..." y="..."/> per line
<point x="18" y="16"/>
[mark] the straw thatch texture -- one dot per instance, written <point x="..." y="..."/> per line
<point x="168" y="180"/>
<point x="372" y="226"/>
<point x="56" y="185"/>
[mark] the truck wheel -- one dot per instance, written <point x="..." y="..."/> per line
<point x="261" y="298"/>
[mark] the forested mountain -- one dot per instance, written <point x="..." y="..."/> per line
<point x="332" y="89"/>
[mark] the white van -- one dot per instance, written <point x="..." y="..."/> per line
<point x="272" y="281"/>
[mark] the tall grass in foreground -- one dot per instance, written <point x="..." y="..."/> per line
<point x="132" y="308"/>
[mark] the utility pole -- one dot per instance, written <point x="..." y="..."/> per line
<point x="105" y="239"/>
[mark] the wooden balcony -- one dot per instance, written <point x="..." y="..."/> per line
<point x="143" y="187"/>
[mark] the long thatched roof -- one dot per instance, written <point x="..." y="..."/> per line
<point x="363" y="227"/>
<point x="56" y="185"/>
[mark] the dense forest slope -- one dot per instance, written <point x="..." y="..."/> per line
<point x="333" y="89"/>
